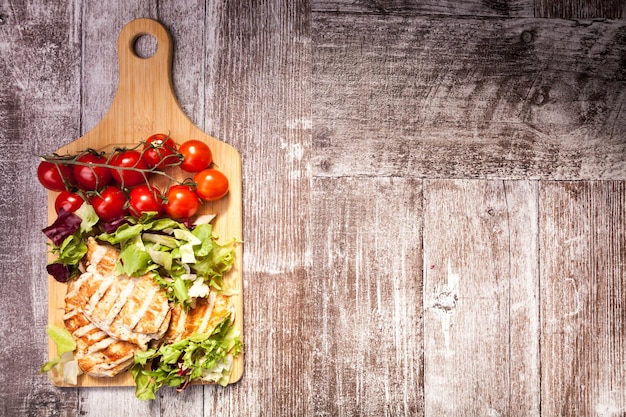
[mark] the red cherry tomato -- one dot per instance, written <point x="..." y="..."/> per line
<point x="160" y="151"/>
<point x="131" y="161"/>
<point x="69" y="201"/>
<point x="110" y="204"/>
<point x="182" y="202"/>
<point x="55" y="177"/>
<point x="196" y="155"/>
<point x="144" y="198"/>
<point x="211" y="184"/>
<point x="90" y="177"/>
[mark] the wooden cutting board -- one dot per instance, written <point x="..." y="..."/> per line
<point x="145" y="104"/>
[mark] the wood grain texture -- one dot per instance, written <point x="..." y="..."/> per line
<point x="566" y="9"/>
<point x="360" y="113"/>
<point x="37" y="111"/>
<point x="516" y="8"/>
<point x="442" y="97"/>
<point x="577" y="9"/>
<point x="258" y="74"/>
<point x="365" y="298"/>
<point x="481" y="334"/>
<point x="583" y="298"/>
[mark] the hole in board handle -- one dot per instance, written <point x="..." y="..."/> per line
<point x="145" y="46"/>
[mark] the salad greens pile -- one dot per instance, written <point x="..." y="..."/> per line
<point x="206" y="357"/>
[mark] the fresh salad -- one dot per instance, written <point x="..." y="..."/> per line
<point x="118" y="198"/>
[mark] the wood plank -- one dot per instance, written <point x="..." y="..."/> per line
<point x="580" y="9"/>
<point x="442" y="97"/>
<point x="565" y="9"/>
<point x="187" y="25"/>
<point x="583" y="301"/>
<point x="481" y="338"/>
<point x="188" y="70"/>
<point x="511" y="8"/>
<point x="365" y="305"/>
<point x="257" y="86"/>
<point x="38" y="110"/>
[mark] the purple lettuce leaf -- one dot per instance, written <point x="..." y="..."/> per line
<point x="65" y="225"/>
<point x="59" y="271"/>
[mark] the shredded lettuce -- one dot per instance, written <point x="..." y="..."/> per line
<point x="160" y="257"/>
<point x="164" y="240"/>
<point x="171" y="250"/>
<point x="66" y="235"/>
<point x="122" y="234"/>
<point x="62" y="338"/>
<point x="186" y="235"/>
<point x="205" y="357"/>
<point x="134" y="261"/>
<point x="72" y="250"/>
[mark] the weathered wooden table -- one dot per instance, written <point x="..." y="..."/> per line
<point x="434" y="199"/>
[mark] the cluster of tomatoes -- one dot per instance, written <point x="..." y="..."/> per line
<point x="120" y="183"/>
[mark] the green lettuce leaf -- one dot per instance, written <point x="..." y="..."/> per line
<point x="123" y="233"/>
<point x="72" y="250"/>
<point x="64" y="362"/>
<point x="164" y="240"/>
<point x="134" y="261"/>
<point x="88" y="216"/>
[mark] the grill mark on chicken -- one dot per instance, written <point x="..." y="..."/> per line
<point x="102" y="302"/>
<point x="120" y="301"/>
<point x="144" y="313"/>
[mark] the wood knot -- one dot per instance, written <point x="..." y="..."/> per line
<point x="541" y="97"/>
<point x="527" y="36"/>
<point x="325" y="165"/>
<point x="446" y="301"/>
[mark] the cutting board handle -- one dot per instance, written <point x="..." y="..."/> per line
<point x="131" y="64"/>
<point x="145" y="101"/>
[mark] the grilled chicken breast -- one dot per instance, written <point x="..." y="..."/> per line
<point x="112" y="316"/>
<point x="201" y="319"/>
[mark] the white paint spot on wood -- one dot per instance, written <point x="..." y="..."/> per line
<point x="492" y="413"/>
<point x="605" y="410"/>
<point x="446" y="299"/>
<point x="294" y="150"/>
